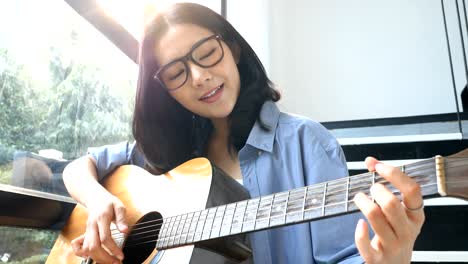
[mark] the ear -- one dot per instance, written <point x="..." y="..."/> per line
<point x="235" y="50"/>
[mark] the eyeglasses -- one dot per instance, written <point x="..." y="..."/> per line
<point x="205" y="53"/>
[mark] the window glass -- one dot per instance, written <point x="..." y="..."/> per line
<point x="25" y="246"/>
<point x="64" y="87"/>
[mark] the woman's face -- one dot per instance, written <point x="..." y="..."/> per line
<point x="210" y="92"/>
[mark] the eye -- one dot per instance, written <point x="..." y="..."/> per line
<point x="176" y="75"/>
<point x="208" y="54"/>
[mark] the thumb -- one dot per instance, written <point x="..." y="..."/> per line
<point x="120" y="217"/>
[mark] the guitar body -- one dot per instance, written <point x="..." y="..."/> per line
<point x="187" y="188"/>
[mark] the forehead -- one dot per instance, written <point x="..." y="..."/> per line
<point x="177" y="41"/>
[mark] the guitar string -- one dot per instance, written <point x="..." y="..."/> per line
<point x="179" y="235"/>
<point x="354" y="181"/>
<point x="245" y="220"/>
<point x="281" y="205"/>
<point x="310" y="209"/>
<point x="448" y="182"/>
<point x="310" y="194"/>
<point x="395" y="191"/>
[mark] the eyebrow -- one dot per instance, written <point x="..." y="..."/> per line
<point x="190" y="50"/>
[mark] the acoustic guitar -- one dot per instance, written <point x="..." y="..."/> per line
<point x="171" y="215"/>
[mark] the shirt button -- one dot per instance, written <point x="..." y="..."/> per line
<point x="259" y="152"/>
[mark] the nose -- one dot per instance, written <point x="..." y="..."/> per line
<point x="199" y="74"/>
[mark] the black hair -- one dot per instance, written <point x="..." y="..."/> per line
<point x="167" y="133"/>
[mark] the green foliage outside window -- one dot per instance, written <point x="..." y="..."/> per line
<point x="63" y="86"/>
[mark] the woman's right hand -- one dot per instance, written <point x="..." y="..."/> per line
<point x="97" y="242"/>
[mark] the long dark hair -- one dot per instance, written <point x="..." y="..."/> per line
<point x="167" y="133"/>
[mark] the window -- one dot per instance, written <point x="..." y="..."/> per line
<point x="63" y="88"/>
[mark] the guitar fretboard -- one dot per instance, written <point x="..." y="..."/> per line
<point x="299" y="205"/>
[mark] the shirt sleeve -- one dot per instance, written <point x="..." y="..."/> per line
<point x="109" y="157"/>
<point x="332" y="238"/>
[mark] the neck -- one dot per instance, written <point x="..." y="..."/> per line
<point x="304" y="204"/>
<point x="221" y="130"/>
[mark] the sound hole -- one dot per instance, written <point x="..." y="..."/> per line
<point x="141" y="241"/>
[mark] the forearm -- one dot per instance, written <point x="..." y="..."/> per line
<point x="80" y="178"/>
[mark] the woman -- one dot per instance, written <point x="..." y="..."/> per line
<point x="202" y="91"/>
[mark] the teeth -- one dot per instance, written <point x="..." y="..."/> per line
<point x="212" y="93"/>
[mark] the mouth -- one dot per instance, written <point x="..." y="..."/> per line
<point x="212" y="94"/>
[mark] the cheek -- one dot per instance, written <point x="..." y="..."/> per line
<point x="182" y="97"/>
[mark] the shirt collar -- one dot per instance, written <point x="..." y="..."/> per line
<point x="260" y="138"/>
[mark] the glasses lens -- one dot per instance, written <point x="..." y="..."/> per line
<point x="208" y="53"/>
<point x="173" y="75"/>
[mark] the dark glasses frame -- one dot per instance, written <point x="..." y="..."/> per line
<point x="189" y="57"/>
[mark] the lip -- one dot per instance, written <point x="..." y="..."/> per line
<point x="213" y="97"/>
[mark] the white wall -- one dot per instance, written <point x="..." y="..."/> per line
<point x="251" y="19"/>
<point x="355" y="59"/>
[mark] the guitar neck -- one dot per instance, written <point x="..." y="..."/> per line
<point x="304" y="204"/>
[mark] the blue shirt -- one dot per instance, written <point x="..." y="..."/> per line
<point x="295" y="152"/>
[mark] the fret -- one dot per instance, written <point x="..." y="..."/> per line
<point x="193" y="227"/>
<point x="324" y="198"/>
<point x="227" y="219"/>
<point x="168" y="232"/>
<point x="295" y="206"/>
<point x="347" y="194"/>
<point x="200" y="226"/>
<point x="173" y="233"/>
<point x="355" y="186"/>
<point x="209" y="223"/>
<point x="162" y="234"/>
<point x="262" y="218"/>
<point x="304" y="202"/>
<point x="312" y="208"/>
<point x="286" y="206"/>
<point x="336" y="195"/>
<point x="180" y="229"/>
<point x="185" y="228"/>
<point x="278" y="211"/>
<point x="216" y="229"/>
<point x="238" y="218"/>
<point x="250" y="215"/>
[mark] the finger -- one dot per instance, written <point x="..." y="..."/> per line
<point x="363" y="243"/>
<point x="370" y="163"/>
<point x="409" y="188"/>
<point x="392" y="209"/>
<point x="376" y="218"/>
<point x="92" y="246"/>
<point x="77" y="246"/>
<point x="121" y="217"/>
<point x="106" y="239"/>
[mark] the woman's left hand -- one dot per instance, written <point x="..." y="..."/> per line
<point x="396" y="223"/>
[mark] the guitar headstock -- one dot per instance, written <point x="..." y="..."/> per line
<point x="456" y="174"/>
<point x="461" y="154"/>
